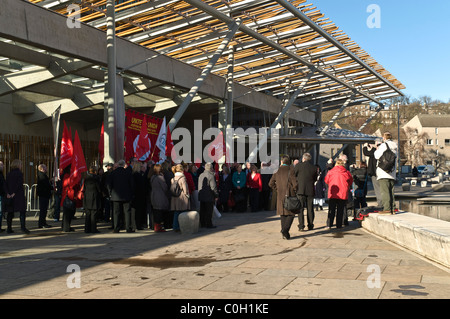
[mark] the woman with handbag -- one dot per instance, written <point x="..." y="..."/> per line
<point x="285" y="184"/>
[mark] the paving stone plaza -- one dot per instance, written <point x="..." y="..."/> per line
<point x="245" y="257"/>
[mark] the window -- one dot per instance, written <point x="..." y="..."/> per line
<point x="436" y="131"/>
<point x="447" y="142"/>
<point x="429" y="142"/>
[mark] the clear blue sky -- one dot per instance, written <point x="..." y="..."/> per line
<point x="413" y="42"/>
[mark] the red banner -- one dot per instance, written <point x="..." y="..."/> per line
<point x="133" y="125"/>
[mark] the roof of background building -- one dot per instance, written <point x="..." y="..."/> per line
<point x="432" y="120"/>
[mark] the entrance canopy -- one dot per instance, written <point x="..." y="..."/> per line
<point x="278" y="42"/>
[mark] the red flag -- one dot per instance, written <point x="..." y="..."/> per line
<point x="78" y="162"/>
<point x="216" y="148"/>
<point x="143" y="144"/>
<point x="66" y="149"/>
<point x="169" y="144"/>
<point x="101" y="144"/>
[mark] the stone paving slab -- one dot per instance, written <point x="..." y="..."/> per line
<point x="243" y="258"/>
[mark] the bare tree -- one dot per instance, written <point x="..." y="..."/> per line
<point x="415" y="145"/>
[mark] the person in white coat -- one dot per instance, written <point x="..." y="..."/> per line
<point x="387" y="179"/>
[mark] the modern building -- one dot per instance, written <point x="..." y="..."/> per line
<point x="239" y="63"/>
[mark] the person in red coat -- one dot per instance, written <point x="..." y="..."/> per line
<point x="339" y="181"/>
<point x="254" y="185"/>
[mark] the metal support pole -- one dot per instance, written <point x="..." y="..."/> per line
<point x="343" y="107"/>
<point x="110" y="86"/>
<point x="290" y="102"/>
<point x="205" y="72"/>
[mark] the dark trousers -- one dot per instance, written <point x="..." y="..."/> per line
<point x="10" y="216"/>
<point x="286" y="223"/>
<point x="307" y="201"/>
<point x="43" y="207"/>
<point x="90" y="223"/>
<point x="240" y="199"/>
<point x="123" y="209"/>
<point x="336" y="208"/>
<point x="67" y="218"/>
<point x="160" y="216"/>
<point x="57" y="207"/>
<point x="206" y="211"/>
<point x="254" y="199"/>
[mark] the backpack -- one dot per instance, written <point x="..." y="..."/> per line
<point x="387" y="160"/>
<point x="175" y="188"/>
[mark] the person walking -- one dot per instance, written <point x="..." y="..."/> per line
<point x="15" y="196"/>
<point x="91" y="200"/>
<point x="339" y="181"/>
<point x="159" y="199"/>
<point x="387" y="179"/>
<point x="180" y="203"/>
<point x="284" y="184"/>
<point x="306" y="174"/>
<point x="121" y="188"/>
<point x="44" y="192"/>
<point x="207" y="194"/>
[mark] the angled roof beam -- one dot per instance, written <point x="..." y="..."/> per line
<point x="219" y="15"/>
<point x="299" y="14"/>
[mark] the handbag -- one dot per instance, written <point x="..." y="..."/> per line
<point x="291" y="203"/>
<point x="68" y="203"/>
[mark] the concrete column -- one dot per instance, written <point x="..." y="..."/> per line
<point x="114" y="116"/>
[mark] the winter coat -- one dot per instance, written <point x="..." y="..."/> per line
<point x="284" y="183"/>
<point x="339" y="181"/>
<point x="14" y="185"/>
<point x="225" y="187"/>
<point x="92" y="192"/>
<point x="239" y="179"/>
<point x="359" y="178"/>
<point x="121" y="185"/>
<point x="43" y="188"/>
<point x="372" y="163"/>
<point x="207" y="187"/>
<point x="159" y="197"/>
<point x="180" y="203"/>
<point x="306" y="174"/>
<point x="381" y="174"/>
<point x="320" y="186"/>
<point x="255" y="181"/>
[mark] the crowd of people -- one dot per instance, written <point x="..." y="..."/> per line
<point x="137" y="195"/>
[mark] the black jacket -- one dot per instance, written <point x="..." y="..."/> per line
<point x="92" y="192"/>
<point x="372" y="165"/>
<point x="306" y="174"/>
<point x="44" y="187"/>
<point x="207" y="187"/>
<point x="121" y="185"/>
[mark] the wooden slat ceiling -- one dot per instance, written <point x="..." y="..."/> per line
<point x="186" y="33"/>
